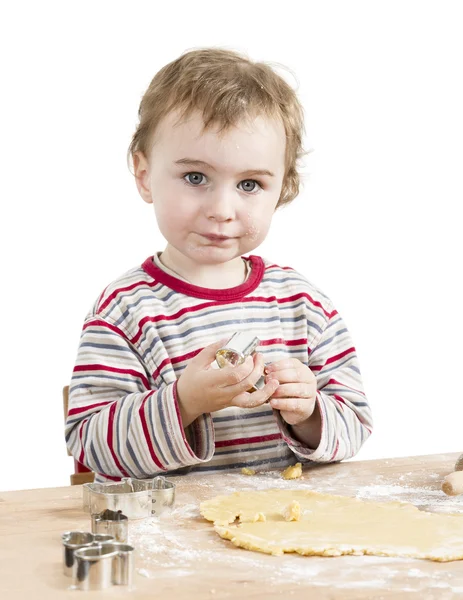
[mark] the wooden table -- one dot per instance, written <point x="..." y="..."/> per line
<point x="180" y="556"/>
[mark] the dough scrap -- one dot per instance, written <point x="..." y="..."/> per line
<point x="292" y="512"/>
<point x="332" y="525"/>
<point x="259" y="517"/>
<point x="292" y="472"/>
<point x="247" y="471"/>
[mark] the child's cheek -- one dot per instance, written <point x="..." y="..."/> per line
<point x="252" y="233"/>
<point x="256" y="227"/>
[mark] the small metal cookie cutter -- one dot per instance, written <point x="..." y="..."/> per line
<point x="77" y="540"/>
<point x="123" y="564"/>
<point x="236" y="350"/>
<point x="111" y="523"/>
<point x="135" y="498"/>
<point x="94" y="566"/>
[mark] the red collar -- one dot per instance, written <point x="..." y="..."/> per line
<point x="227" y="294"/>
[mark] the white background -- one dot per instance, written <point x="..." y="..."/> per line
<point x="377" y="225"/>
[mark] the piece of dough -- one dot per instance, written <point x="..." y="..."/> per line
<point x="292" y="512"/>
<point x="293" y="472"/>
<point x="259" y="517"/>
<point x="247" y="471"/>
<point x="334" y="525"/>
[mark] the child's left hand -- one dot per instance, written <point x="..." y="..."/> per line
<point x="296" y="395"/>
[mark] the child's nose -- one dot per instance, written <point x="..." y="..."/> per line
<point x="220" y="206"/>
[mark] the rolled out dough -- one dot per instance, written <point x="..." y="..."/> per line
<point x="334" y="525"/>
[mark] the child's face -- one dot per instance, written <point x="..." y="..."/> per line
<point x="214" y="194"/>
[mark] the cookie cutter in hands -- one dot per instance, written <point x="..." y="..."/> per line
<point x="236" y="350"/>
<point x="136" y="498"/>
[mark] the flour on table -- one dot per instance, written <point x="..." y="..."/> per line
<point x="167" y="546"/>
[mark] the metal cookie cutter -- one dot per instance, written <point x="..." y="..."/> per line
<point x="93" y="569"/>
<point x="77" y="540"/>
<point x="112" y="523"/>
<point x="136" y="498"/>
<point x="236" y="350"/>
<point x="163" y="494"/>
<point x="97" y="568"/>
<point x="123" y="564"/>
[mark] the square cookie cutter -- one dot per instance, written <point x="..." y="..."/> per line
<point x="135" y="498"/>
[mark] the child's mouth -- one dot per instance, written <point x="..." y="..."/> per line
<point x="216" y="238"/>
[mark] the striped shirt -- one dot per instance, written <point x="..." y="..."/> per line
<point x="124" y="418"/>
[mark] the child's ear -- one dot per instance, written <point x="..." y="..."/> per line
<point x="141" y="172"/>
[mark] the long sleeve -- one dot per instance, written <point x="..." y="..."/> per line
<point x="345" y="412"/>
<point x="119" y="424"/>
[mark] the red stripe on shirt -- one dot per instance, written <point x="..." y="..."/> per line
<point x="174" y="360"/>
<point x="97" y="367"/>
<point x="333" y="359"/>
<point x="82" y="454"/>
<point x="109" y="439"/>
<point x="76" y="411"/>
<point x="202" y="306"/>
<point x="125" y="289"/>
<point x="144" y="424"/>
<point x="252" y="440"/>
<point x="190" y="355"/>
<point x="299" y="342"/>
<point x="101" y="298"/>
<point x="101" y="323"/>
<point x="179" y="418"/>
<point x="111" y="477"/>
<point x="292" y="299"/>
<point x="336" y="382"/>
<point x="339" y="356"/>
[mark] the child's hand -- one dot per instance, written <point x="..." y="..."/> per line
<point x="296" y="394"/>
<point x="202" y="389"/>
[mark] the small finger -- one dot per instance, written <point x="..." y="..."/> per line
<point x="293" y="375"/>
<point x="242" y="378"/>
<point x="294" y="390"/>
<point x="231" y="376"/>
<point x="296" y="405"/>
<point x="285" y="363"/>
<point x="257" y="398"/>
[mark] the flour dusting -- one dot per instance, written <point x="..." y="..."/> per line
<point x="425" y="498"/>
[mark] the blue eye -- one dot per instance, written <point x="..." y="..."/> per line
<point x="249" y="185"/>
<point x="193" y="178"/>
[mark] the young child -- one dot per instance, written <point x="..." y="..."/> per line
<point x="215" y="153"/>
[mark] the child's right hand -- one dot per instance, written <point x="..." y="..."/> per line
<point x="202" y="389"/>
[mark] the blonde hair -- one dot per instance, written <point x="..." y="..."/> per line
<point x="226" y="88"/>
